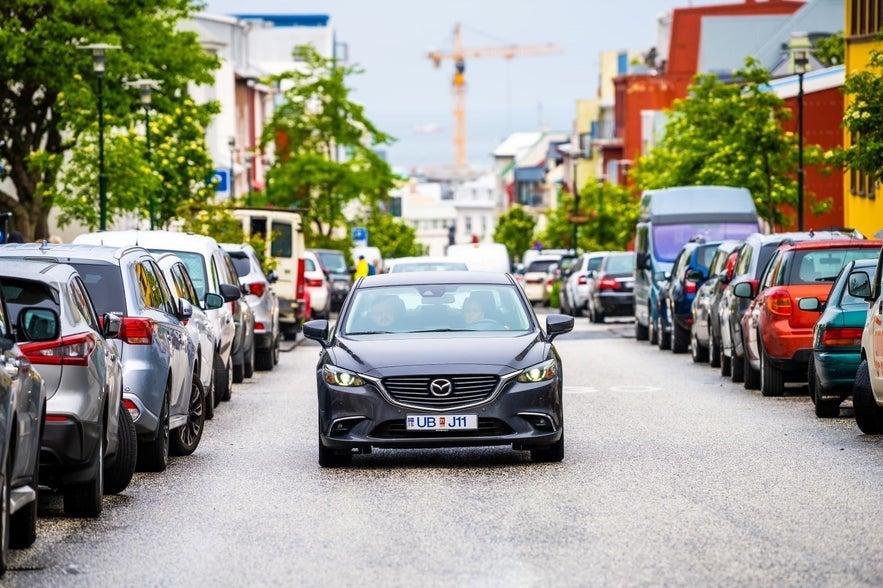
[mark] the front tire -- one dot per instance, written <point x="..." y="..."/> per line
<point x="680" y="338"/>
<point x="119" y="474"/>
<point x="329" y="459"/>
<point x="553" y="453"/>
<point x="185" y="439"/>
<point x="868" y="416"/>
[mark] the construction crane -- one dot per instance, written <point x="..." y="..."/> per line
<point x="458" y="54"/>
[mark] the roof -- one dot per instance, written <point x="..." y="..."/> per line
<point x="816" y="16"/>
<point x="67" y="251"/>
<point x="47" y="271"/>
<point x="832" y="244"/>
<point x="164" y="240"/>
<point x="729" y="39"/>
<point x="813" y="81"/>
<point x="429" y="278"/>
<point x="289" y="20"/>
<point x="516" y="143"/>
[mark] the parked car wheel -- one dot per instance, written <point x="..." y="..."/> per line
<point x="329" y="459"/>
<point x="824" y="409"/>
<point x="714" y="351"/>
<point x="276" y="351"/>
<point x="740" y="367"/>
<point x="86" y="499"/>
<point x="184" y="440"/>
<point x="641" y="331"/>
<point x="210" y="400"/>
<point x="153" y="456"/>
<point x="248" y="366"/>
<point x="868" y="416"/>
<point x="663" y="339"/>
<point x="223" y="378"/>
<point x="595" y="315"/>
<point x="680" y="338"/>
<point x="550" y="453"/>
<point x="263" y="359"/>
<point x="750" y="376"/>
<point x="698" y="353"/>
<point x="772" y="380"/>
<point x="119" y="473"/>
<point x="726" y="365"/>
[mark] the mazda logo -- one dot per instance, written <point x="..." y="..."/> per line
<point x="441" y="387"/>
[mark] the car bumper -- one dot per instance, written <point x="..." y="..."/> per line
<point x="67" y="451"/>
<point x="617" y="303"/>
<point x="788" y="349"/>
<point x="836" y="370"/>
<point x="521" y="415"/>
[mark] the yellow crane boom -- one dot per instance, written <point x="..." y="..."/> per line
<point x="458" y="54"/>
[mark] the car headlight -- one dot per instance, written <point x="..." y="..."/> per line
<point x="539" y="372"/>
<point x="341" y="377"/>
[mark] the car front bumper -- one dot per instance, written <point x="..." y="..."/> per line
<point x="520" y="414"/>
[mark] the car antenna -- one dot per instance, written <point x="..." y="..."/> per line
<point x="44" y="246"/>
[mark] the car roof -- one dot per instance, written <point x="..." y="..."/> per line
<point x="46" y="271"/>
<point x="65" y="252"/>
<point x="831" y="244"/>
<point x="764" y="238"/>
<point x="167" y="240"/>
<point x="450" y="277"/>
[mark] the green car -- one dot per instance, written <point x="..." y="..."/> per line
<point x="837" y="341"/>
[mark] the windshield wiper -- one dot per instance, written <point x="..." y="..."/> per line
<point x="371" y="333"/>
<point x="445" y="330"/>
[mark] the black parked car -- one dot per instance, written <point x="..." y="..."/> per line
<point x="611" y="287"/>
<point x="438" y="359"/>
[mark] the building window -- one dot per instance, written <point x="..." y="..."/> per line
<point x="865" y="17"/>
<point x="467" y="221"/>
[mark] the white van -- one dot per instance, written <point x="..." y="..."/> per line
<point x="483" y="257"/>
<point x="283" y="233"/>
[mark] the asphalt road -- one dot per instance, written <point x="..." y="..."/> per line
<point x="673" y="476"/>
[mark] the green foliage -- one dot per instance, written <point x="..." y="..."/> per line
<point x="49" y="96"/>
<point x="393" y="237"/>
<point x="611" y="213"/>
<point x="831" y="50"/>
<point x="515" y="230"/>
<point x="312" y="127"/>
<point x="176" y="171"/>
<point x="863" y="119"/>
<point x="730" y="134"/>
<point x="555" y="294"/>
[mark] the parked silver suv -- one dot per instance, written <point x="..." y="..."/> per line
<point x="262" y="299"/>
<point x="157" y="355"/>
<point x="88" y="446"/>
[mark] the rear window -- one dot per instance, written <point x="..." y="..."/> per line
<point x="22" y="293"/>
<point x="705" y="255"/>
<point x="816" y="266"/>
<point x="541" y="265"/>
<point x="620" y="264"/>
<point x="334" y="261"/>
<point x="241" y="263"/>
<point x="105" y="286"/>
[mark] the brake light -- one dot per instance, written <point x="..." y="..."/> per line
<point x="136" y="330"/>
<point x="690" y="287"/>
<point x="258" y="326"/>
<point x="582" y="280"/>
<point x="779" y="303"/>
<point x="608" y="284"/>
<point x="57" y="418"/>
<point x="314" y="283"/>
<point x="70" y="350"/>
<point x="132" y="408"/>
<point x="843" y="337"/>
<point x="257" y="288"/>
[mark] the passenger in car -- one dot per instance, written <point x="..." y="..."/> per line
<point x="387" y="311"/>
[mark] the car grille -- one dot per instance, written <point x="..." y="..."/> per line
<point x="487" y="427"/>
<point x="465" y="389"/>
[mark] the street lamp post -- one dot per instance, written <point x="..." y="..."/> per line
<point x="575" y="205"/>
<point x="145" y="94"/>
<point x="801" y="60"/>
<point x="231" y="142"/>
<point x="98" y="65"/>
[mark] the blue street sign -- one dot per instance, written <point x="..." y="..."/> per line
<point x="360" y="234"/>
<point x="222" y="177"/>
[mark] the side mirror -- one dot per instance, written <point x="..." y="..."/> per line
<point x="38" y="324"/>
<point x="859" y="285"/>
<point x="558" y="324"/>
<point x="642" y="261"/>
<point x="212" y="301"/>
<point x="185" y="310"/>
<point x="110" y="325"/>
<point x="230" y="293"/>
<point x="810" y="303"/>
<point x="317" y="330"/>
<point x="743" y="290"/>
<point x="272" y="277"/>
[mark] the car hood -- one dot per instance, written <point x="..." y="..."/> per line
<point x="442" y="352"/>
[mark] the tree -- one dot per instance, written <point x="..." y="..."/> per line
<point x="831" y="50"/>
<point x="326" y="146"/>
<point x="48" y="102"/>
<point x="515" y="230"/>
<point x="730" y="134"/>
<point x="392" y="236"/>
<point x="863" y="119"/>
<point x="611" y="214"/>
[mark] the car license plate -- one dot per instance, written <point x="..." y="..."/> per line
<point x="441" y="422"/>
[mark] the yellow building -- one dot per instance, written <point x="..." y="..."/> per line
<point x="862" y="209"/>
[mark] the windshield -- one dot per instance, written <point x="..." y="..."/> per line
<point x="668" y="240"/>
<point x="436" y="308"/>
<point x="333" y="261"/>
<point x="195" y="267"/>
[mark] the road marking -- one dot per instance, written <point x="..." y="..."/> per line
<point x="580" y="390"/>
<point x="636" y="388"/>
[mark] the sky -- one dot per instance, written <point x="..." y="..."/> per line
<point x="407" y="97"/>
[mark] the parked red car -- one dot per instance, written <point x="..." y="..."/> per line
<point x="778" y="332"/>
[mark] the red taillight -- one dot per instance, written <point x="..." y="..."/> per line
<point x="136" y="330"/>
<point x="608" y="284"/>
<point x="70" y="350"/>
<point x="844" y="337"/>
<point x="314" y="283"/>
<point x="299" y="284"/>
<point x="582" y="280"/>
<point x="258" y="326"/>
<point x="257" y="288"/>
<point x="132" y="408"/>
<point x="779" y="303"/>
<point x="57" y="418"/>
<point x="690" y="287"/>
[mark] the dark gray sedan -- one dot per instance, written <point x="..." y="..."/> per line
<point x="438" y="359"/>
